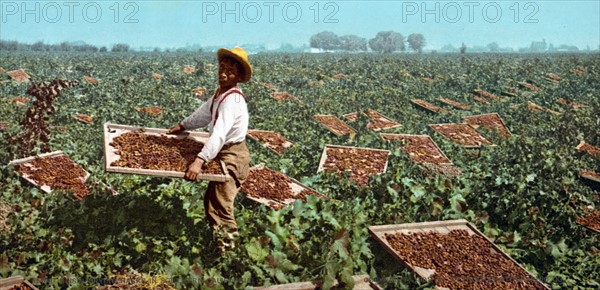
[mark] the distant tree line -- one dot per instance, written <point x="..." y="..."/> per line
<point x="383" y="42"/>
<point x="6" y="45"/>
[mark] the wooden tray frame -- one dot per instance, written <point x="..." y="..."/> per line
<point x="444" y="227"/>
<point x="366" y="114"/>
<point x="324" y="155"/>
<point x="496" y="115"/>
<point x="334" y="131"/>
<point x="113" y="130"/>
<point x="8" y="283"/>
<point x="421" y="104"/>
<point x="295" y="186"/>
<point x="382" y="135"/>
<point x="465" y="146"/>
<point x="44" y="188"/>
<point x="285" y="145"/>
<point x="361" y="282"/>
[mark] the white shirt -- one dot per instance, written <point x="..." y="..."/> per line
<point x="231" y="125"/>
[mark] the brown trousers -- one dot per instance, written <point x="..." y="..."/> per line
<point x="219" y="196"/>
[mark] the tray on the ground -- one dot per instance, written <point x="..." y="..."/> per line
<point x="56" y="154"/>
<point x="334" y="124"/>
<point x="112" y="155"/>
<point x="461" y="134"/>
<point x="455" y="104"/>
<point x="377" y="121"/>
<point x="16" y="281"/>
<point x="429" y="106"/>
<point x="443" y="229"/>
<point x="590" y="219"/>
<point x="362" y="162"/>
<point x="590" y="175"/>
<point x="491" y="121"/>
<point x="270" y="139"/>
<point x="273" y="188"/>
<point x="361" y="282"/>
<point x="420" y="148"/>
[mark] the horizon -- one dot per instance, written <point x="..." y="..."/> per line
<point x="180" y="24"/>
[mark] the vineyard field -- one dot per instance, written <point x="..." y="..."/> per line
<point x="523" y="190"/>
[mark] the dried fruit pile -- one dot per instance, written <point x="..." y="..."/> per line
<point x="139" y="150"/>
<point x="273" y="185"/>
<point x="421" y="149"/>
<point x="530" y="86"/>
<point x="34" y="124"/>
<point x="491" y="122"/>
<point x="462" y="134"/>
<point x="487" y="94"/>
<point x="334" y="124"/>
<point x="18" y="75"/>
<point x="571" y="103"/>
<point x="480" y="99"/>
<point x="57" y="172"/>
<point x="361" y="162"/>
<point x="537" y="108"/>
<point x="21" y="286"/>
<point x="590" y="220"/>
<point x="90" y="80"/>
<point x="461" y="261"/>
<point x="273" y="140"/>
<point x="84" y="118"/>
<point x="590" y="175"/>
<point x="455" y="104"/>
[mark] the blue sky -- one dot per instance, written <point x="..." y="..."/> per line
<point x="171" y="24"/>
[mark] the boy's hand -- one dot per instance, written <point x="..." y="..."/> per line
<point x="194" y="169"/>
<point x="176" y="129"/>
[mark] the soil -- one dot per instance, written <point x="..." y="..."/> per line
<point x="461" y="261"/>
<point x="429" y="106"/>
<point x="487" y="95"/>
<point x="273" y="185"/>
<point x="591" y="219"/>
<point x="571" y="103"/>
<point x="57" y="172"/>
<point x="282" y="96"/>
<point x="462" y="134"/>
<point x="378" y="121"/>
<point x="361" y="162"/>
<point x="421" y="149"/>
<point x="334" y="124"/>
<point x="273" y="140"/>
<point x="455" y="104"/>
<point x="530" y="86"/>
<point x="588" y="148"/>
<point x="480" y="99"/>
<point x="152" y="110"/>
<point x="491" y="122"/>
<point x="139" y="150"/>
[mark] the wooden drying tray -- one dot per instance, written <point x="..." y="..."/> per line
<point x="590" y="175"/>
<point x="392" y="137"/>
<point x="334" y="130"/>
<point x="502" y="130"/>
<point x="27" y="160"/>
<point x="272" y="147"/>
<point x="294" y="184"/>
<point x="112" y="131"/>
<point x="10" y="282"/>
<point x="430" y="107"/>
<point x="361" y="282"/>
<point x="327" y="146"/>
<point x="472" y="133"/>
<point x="353" y="116"/>
<point x="443" y="227"/>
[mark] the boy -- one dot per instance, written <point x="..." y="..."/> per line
<point x="226" y="115"/>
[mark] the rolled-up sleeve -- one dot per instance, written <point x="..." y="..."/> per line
<point x="199" y="118"/>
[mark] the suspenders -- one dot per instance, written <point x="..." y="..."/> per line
<point x="222" y="99"/>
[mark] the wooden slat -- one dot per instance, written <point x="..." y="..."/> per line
<point x="10" y="282"/>
<point x="361" y="282"/>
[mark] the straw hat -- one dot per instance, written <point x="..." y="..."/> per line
<point x="241" y="56"/>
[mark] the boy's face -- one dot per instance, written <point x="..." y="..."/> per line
<point x="230" y="72"/>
